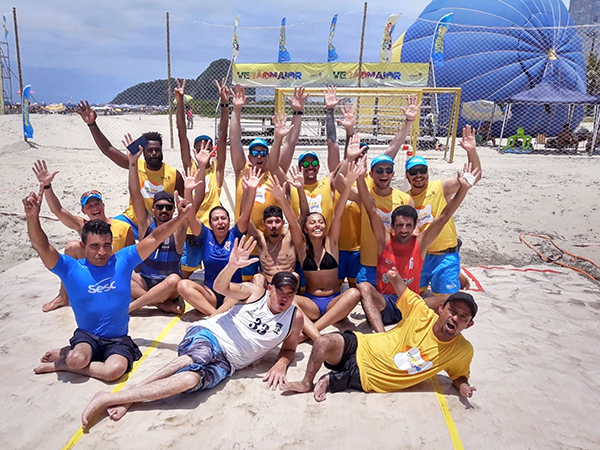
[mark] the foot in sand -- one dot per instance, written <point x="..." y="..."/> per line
<point x="321" y="388"/>
<point x="58" y="302"/>
<point x="117" y="412"/>
<point x="298" y="386"/>
<point x="98" y="403"/>
<point x="51" y="355"/>
<point x="47" y="367"/>
<point x="176" y="306"/>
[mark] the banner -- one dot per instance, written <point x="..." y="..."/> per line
<point x="27" y="128"/>
<point x="5" y="29"/>
<point x="235" y="43"/>
<point x="331" y="53"/>
<point x="385" y="55"/>
<point x="327" y="74"/>
<point x="437" y="46"/>
<point x="284" y="55"/>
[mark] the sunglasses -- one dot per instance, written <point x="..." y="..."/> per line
<point x="380" y="170"/>
<point x="92" y="192"/>
<point x="307" y="164"/>
<point x="262" y="153"/>
<point x="164" y="207"/>
<point x="415" y="170"/>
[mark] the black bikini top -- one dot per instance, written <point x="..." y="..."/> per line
<point x="328" y="262"/>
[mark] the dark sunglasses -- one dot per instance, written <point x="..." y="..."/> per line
<point x="263" y="153"/>
<point x="415" y="170"/>
<point x="161" y="207"/>
<point x="314" y="163"/>
<point x="380" y="170"/>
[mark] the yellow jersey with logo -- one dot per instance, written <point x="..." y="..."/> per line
<point x="320" y="199"/>
<point x="212" y="194"/>
<point x="351" y="226"/>
<point x="151" y="182"/>
<point x="385" y="206"/>
<point x="262" y="200"/>
<point x="429" y="204"/>
<point x="119" y="230"/>
<point x="410" y="353"/>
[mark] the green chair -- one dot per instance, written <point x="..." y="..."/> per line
<point x="512" y="141"/>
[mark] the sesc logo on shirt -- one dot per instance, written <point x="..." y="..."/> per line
<point x="105" y="285"/>
<point x="412" y="361"/>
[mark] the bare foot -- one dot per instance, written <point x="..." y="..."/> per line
<point x="117" y="412"/>
<point x="176" y="306"/>
<point x="58" y="302"/>
<point x="98" y="403"/>
<point x="51" y="355"/>
<point x="321" y="388"/>
<point x="298" y="386"/>
<point x="47" y="367"/>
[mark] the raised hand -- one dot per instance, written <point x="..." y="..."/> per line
<point x="238" y="94"/>
<point x="468" y="177"/>
<point x="241" y="251"/>
<point x="331" y="100"/>
<point x="203" y="154"/>
<point x="41" y="172"/>
<point x="223" y="91"/>
<point x="192" y="179"/>
<point x="412" y="110"/>
<point x="86" y="112"/>
<point x="349" y="119"/>
<point x="281" y="130"/>
<point x="179" y="91"/>
<point x="354" y="147"/>
<point x="131" y="157"/>
<point x="468" y="141"/>
<point x="184" y="208"/>
<point x="295" y="177"/>
<point x="252" y="178"/>
<point x="276" y="189"/>
<point x="297" y="101"/>
<point x="354" y="172"/>
<point x="361" y="165"/>
<point x="33" y="203"/>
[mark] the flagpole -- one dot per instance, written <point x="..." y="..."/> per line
<point x="169" y="93"/>
<point x="18" y="59"/>
<point x="362" y="45"/>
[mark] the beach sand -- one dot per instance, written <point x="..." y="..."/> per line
<point x="536" y="364"/>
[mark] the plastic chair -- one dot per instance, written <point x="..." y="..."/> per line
<point x="511" y="143"/>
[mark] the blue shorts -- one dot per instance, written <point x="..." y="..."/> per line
<point x="208" y="357"/>
<point x="134" y="227"/>
<point x="103" y="348"/>
<point x="349" y="265"/>
<point x="322" y="302"/>
<point x="249" y="271"/>
<point x="441" y="272"/>
<point x="191" y="258"/>
<point x="367" y="273"/>
<point x="390" y="314"/>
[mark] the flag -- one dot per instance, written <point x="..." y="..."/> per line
<point x="27" y="128"/>
<point x="5" y="29"/>
<point x="235" y="43"/>
<point x="331" y="53"/>
<point x="385" y="55"/>
<point x="284" y="55"/>
<point x="437" y="46"/>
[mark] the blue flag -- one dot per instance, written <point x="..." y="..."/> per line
<point x="27" y="128"/>
<point x="331" y="53"/>
<point x="284" y="55"/>
<point x="437" y="46"/>
<point x="5" y="29"/>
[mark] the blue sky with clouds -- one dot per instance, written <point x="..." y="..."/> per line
<point x="73" y="49"/>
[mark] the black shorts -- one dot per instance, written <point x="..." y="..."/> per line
<point x="220" y="298"/>
<point x="151" y="282"/>
<point x="102" y="348"/>
<point x="345" y="375"/>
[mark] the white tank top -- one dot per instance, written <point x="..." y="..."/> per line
<point x="249" y="331"/>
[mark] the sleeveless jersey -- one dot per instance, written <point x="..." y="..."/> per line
<point x="351" y="226"/>
<point x="319" y="198"/>
<point x="151" y="182"/>
<point x="430" y="204"/>
<point x="212" y="195"/>
<point x="407" y="260"/>
<point x="119" y="231"/>
<point x="385" y="206"/>
<point x="262" y="200"/>
<point x="163" y="261"/>
<point x="249" y="331"/>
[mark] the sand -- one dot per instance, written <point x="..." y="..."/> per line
<point x="536" y="363"/>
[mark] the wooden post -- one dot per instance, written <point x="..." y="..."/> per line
<point x="170" y="91"/>
<point x="360" y="61"/>
<point x="18" y="59"/>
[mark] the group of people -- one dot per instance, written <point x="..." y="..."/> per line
<point x="263" y="284"/>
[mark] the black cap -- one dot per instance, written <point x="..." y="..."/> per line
<point x="281" y="279"/>
<point x="163" y="195"/>
<point x="465" y="298"/>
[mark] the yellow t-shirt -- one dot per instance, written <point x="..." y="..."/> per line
<point x="385" y="206"/>
<point x="212" y="196"/>
<point x="429" y="204"/>
<point x="151" y="182"/>
<point x="262" y="200"/>
<point x="410" y="353"/>
<point x="119" y="231"/>
<point x="319" y="198"/>
<point x="351" y="226"/>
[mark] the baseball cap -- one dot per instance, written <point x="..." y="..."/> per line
<point x="305" y="154"/>
<point x="86" y="196"/>
<point x="163" y="195"/>
<point x="465" y="298"/>
<point x="203" y="137"/>
<point x="258" y="142"/>
<point x="281" y="279"/>
<point x="364" y="146"/>
<point x="415" y="161"/>
<point x="381" y="159"/>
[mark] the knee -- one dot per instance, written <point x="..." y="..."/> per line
<point x="190" y="379"/>
<point x="115" y="370"/>
<point x="77" y="360"/>
<point x="172" y="281"/>
<point x="364" y="289"/>
<point x="259" y="280"/>
<point x="184" y="287"/>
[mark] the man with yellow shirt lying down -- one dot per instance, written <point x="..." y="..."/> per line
<point x="422" y="345"/>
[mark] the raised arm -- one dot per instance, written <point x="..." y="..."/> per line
<point x="382" y="234"/>
<point x="468" y="142"/>
<point x="194" y="191"/>
<point x="184" y="143"/>
<point x="295" y="178"/>
<point x="293" y="226"/>
<point x="280" y="132"/>
<point x="202" y="156"/>
<point x="410" y="112"/>
<point x="333" y="149"/>
<point x="137" y="200"/>
<point x="32" y="204"/>
<point x="336" y="222"/>
<point x="297" y="104"/>
<point x="89" y="117"/>
<point x="223" y="125"/>
<point x="250" y="183"/>
<point x="238" y="158"/>
<point x="238" y="259"/>
<point x="45" y="178"/>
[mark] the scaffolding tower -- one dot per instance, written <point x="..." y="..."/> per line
<point x="6" y="78"/>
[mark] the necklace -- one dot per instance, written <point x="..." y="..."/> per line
<point x="272" y="249"/>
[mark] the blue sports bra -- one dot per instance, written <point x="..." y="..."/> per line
<point x="328" y="262"/>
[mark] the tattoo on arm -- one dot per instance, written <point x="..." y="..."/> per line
<point x="330" y="125"/>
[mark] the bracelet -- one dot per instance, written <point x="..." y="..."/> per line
<point x="298" y="113"/>
<point x="48" y="186"/>
<point x="91" y="124"/>
<point x="224" y="105"/>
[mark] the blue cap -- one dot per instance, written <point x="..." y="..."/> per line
<point x="89" y="195"/>
<point x="258" y="142"/>
<point x="415" y="161"/>
<point x="203" y="137"/>
<point x="305" y="154"/>
<point x="381" y="159"/>
<point x="364" y="146"/>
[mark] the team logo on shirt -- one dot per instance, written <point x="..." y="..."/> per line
<point x="261" y="193"/>
<point x="108" y="284"/>
<point x="412" y="361"/>
<point x="148" y="189"/>
<point x="314" y="203"/>
<point x="425" y="216"/>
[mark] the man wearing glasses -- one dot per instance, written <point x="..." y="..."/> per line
<point x="441" y="267"/>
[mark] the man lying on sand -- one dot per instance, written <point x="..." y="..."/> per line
<point x="422" y="345"/>
<point x="99" y="288"/>
<point x="212" y="349"/>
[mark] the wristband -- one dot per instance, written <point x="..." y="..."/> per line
<point x="48" y="186"/>
<point x="224" y="105"/>
<point x="91" y="124"/>
<point x="298" y="113"/>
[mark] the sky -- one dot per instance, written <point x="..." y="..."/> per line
<point x="71" y="51"/>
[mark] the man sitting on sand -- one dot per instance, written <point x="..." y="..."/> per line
<point x="93" y="207"/>
<point x="99" y="288"/>
<point x="212" y="349"/>
<point x="422" y="345"/>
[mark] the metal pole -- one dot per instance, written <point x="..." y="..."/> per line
<point x="18" y="59"/>
<point x="362" y="45"/>
<point x="169" y="93"/>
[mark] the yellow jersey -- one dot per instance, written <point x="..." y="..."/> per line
<point x="119" y="230"/>
<point x="151" y="182"/>
<point x="351" y="226"/>
<point x="212" y="194"/>
<point x="262" y="200"/>
<point x="429" y="205"/>
<point x="410" y="353"/>
<point x="320" y="199"/>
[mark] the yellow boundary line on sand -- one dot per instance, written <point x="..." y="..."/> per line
<point x="80" y="431"/>
<point x="456" y="442"/>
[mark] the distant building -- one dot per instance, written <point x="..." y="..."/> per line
<point x="587" y="12"/>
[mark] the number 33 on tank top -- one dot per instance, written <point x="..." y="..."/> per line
<point x="262" y="328"/>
